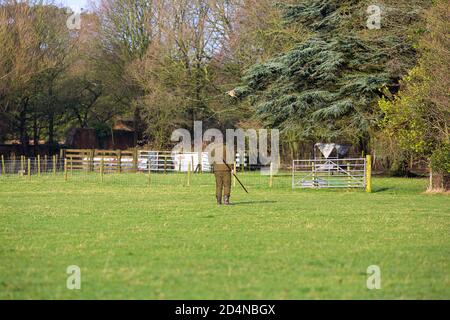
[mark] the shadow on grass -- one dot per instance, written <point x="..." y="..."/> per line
<point x="380" y="190"/>
<point x="240" y="203"/>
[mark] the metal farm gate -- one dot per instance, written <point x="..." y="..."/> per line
<point x="329" y="173"/>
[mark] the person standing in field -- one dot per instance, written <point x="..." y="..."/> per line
<point x="222" y="173"/>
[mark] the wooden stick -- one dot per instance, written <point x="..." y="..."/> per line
<point x="242" y="185"/>
<point x="234" y="177"/>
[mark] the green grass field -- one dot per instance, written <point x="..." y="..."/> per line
<point x="173" y="242"/>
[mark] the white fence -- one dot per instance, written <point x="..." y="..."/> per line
<point x="166" y="161"/>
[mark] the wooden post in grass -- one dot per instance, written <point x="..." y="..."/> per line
<point x="29" y="169"/>
<point x="101" y="169"/>
<point x="45" y="163"/>
<point x="13" y="158"/>
<point x="22" y="165"/>
<point x="39" y="165"/>
<point x="313" y="167"/>
<point x="119" y="160"/>
<point x="149" y="172"/>
<point x="54" y="165"/>
<point x="234" y="170"/>
<point x="65" y="169"/>
<point x="165" y="164"/>
<point x="349" y="177"/>
<point x="271" y="175"/>
<point x="200" y="162"/>
<point x="3" y="165"/>
<point x="189" y="175"/>
<point x="91" y="160"/>
<point x="135" y="160"/>
<point x="368" y="173"/>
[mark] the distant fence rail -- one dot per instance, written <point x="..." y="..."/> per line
<point x="169" y="168"/>
<point x="118" y="161"/>
<point x="22" y="166"/>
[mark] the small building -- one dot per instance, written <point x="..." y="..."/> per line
<point x="121" y="136"/>
<point x="82" y="138"/>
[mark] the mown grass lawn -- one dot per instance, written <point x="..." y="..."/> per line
<point x="172" y="241"/>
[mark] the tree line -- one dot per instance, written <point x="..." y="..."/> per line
<point x="311" y="68"/>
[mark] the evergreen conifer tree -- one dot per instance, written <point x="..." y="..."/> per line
<point x="327" y="87"/>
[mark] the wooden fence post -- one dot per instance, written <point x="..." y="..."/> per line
<point x="313" y="167"/>
<point x="189" y="175"/>
<point x="39" y="165"/>
<point x="3" y="165"/>
<point x="91" y="160"/>
<point x="45" y="163"/>
<point x="22" y="165"/>
<point x="101" y="169"/>
<point x="119" y="160"/>
<point x="271" y="175"/>
<point x="54" y="165"/>
<point x="135" y="160"/>
<point x="349" y="177"/>
<point x="200" y="162"/>
<point x="29" y="169"/>
<point x="149" y="167"/>
<point x="13" y="158"/>
<point x="65" y="169"/>
<point x="165" y="164"/>
<point x="368" y="173"/>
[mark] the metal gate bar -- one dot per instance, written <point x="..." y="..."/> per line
<point x="329" y="173"/>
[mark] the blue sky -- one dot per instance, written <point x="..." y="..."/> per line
<point x="76" y="5"/>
